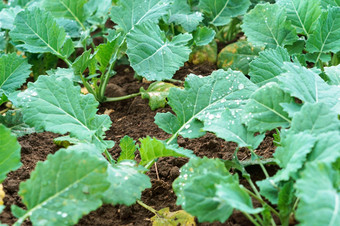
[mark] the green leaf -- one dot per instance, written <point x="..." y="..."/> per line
<point x="63" y="73"/>
<point x="220" y="12"/>
<point x="302" y="14"/>
<point x="7" y="16"/>
<point x="203" y="99"/>
<point x="156" y="94"/>
<point x="333" y="73"/>
<point x="14" y="121"/>
<point x="68" y="185"/>
<point x="327" y="148"/>
<point x="14" y="70"/>
<point x="268" y="65"/>
<point x="181" y="14"/>
<point x="63" y="109"/>
<point x="68" y="9"/>
<point x="292" y="154"/>
<point x="127" y="183"/>
<point x="263" y="112"/>
<point x="269" y="189"/>
<point x="151" y="149"/>
<point x="129" y="13"/>
<point x="128" y="147"/>
<point x="315" y="118"/>
<point x="237" y="56"/>
<point x="197" y="192"/>
<point x="203" y="36"/>
<point x="308" y="86"/>
<point x="230" y="128"/>
<point x="97" y="11"/>
<point x="38" y="32"/>
<point x="325" y="36"/>
<point x="9" y="152"/>
<point x="318" y="190"/>
<point x="286" y="202"/>
<point x="266" y="24"/>
<point x="326" y="3"/>
<point x="153" y="56"/>
<point x="165" y="217"/>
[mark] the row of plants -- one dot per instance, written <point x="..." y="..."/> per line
<point x="290" y="55"/>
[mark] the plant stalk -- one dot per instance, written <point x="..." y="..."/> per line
<point x="104" y="80"/>
<point x="251" y="219"/>
<point x="262" y="202"/>
<point x="112" y="99"/>
<point x="109" y="157"/>
<point x="260" y="163"/>
<point x="152" y="210"/>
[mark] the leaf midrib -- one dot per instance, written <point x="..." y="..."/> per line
<point x="218" y="15"/>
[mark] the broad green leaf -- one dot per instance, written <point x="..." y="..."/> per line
<point x="268" y="65"/>
<point x="153" y="56"/>
<point x="269" y="189"/>
<point x="68" y="9"/>
<point x="333" y="73"/>
<point x="181" y="14"/>
<point x="237" y="56"/>
<point x="229" y="127"/>
<point x="220" y="12"/>
<point x="14" y="70"/>
<point x="203" y="36"/>
<point x="156" y="94"/>
<point x="14" y="121"/>
<point x="9" y="152"/>
<point x="325" y="36"/>
<point x="315" y="118"/>
<point x="318" y="190"/>
<point x="197" y="192"/>
<point x="292" y="154"/>
<point x="165" y="217"/>
<point x="7" y="16"/>
<point x="38" y="32"/>
<point x="302" y="14"/>
<point x="98" y="11"/>
<point x="308" y="86"/>
<point x="263" y="112"/>
<point x="68" y="185"/>
<point x="63" y="109"/>
<point x="127" y="183"/>
<point x="266" y="25"/>
<point x="82" y="62"/>
<point x="203" y="99"/>
<point x="327" y="148"/>
<point x="151" y="149"/>
<point x="326" y="3"/>
<point x="128" y="147"/>
<point x="235" y="195"/>
<point x="63" y="73"/>
<point x="129" y="13"/>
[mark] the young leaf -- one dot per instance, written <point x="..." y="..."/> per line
<point x="237" y="56"/>
<point x="286" y="202"/>
<point x="157" y="94"/>
<point x="68" y="9"/>
<point x="202" y="99"/>
<point x="14" y="121"/>
<point x="38" y="32"/>
<point x="197" y="192"/>
<point x="302" y="14"/>
<point x="181" y="14"/>
<point x="69" y="185"/>
<point x="268" y="65"/>
<point x="128" y="147"/>
<point x="151" y="149"/>
<point x="153" y="56"/>
<point x="220" y="12"/>
<point x="263" y="112"/>
<point x="203" y="36"/>
<point x="14" y="70"/>
<point x="326" y="148"/>
<point x="315" y="118"/>
<point x="333" y="73"/>
<point x="63" y="109"/>
<point x="9" y="152"/>
<point x="292" y="154"/>
<point x="266" y="25"/>
<point x="318" y="190"/>
<point x="129" y="13"/>
<point x="7" y="17"/>
<point x="127" y="182"/>
<point x="325" y="37"/>
<point x="229" y="127"/>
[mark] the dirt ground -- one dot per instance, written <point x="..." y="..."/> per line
<point x="134" y="118"/>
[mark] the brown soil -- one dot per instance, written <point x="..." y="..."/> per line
<point x="133" y="117"/>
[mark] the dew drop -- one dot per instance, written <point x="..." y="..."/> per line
<point x="241" y="86"/>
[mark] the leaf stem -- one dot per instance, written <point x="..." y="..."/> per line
<point x="260" y="163"/>
<point x="152" y="210"/>
<point x="262" y="202"/>
<point x="112" y="99"/>
<point x="174" y="81"/>
<point x="251" y="219"/>
<point x="109" y="157"/>
<point x="104" y="80"/>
